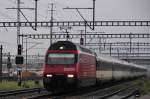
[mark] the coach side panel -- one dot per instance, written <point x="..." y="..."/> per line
<point x="104" y="71"/>
<point x="87" y="69"/>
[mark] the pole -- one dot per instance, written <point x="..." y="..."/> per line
<point x="26" y="53"/>
<point x="110" y="48"/>
<point x="51" y="27"/>
<point x="85" y="35"/>
<point x="18" y="38"/>
<point x="8" y="64"/>
<point x="67" y="35"/>
<point x="36" y="14"/>
<point x="100" y="45"/>
<point x="81" y="39"/>
<point x="93" y="13"/>
<point x="130" y="42"/>
<point x="138" y="48"/>
<point x="18" y="21"/>
<point x="1" y="48"/>
<point x="118" y="52"/>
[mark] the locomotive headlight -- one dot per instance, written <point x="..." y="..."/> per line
<point x="70" y="76"/>
<point x="61" y="47"/>
<point x="49" y="75"/>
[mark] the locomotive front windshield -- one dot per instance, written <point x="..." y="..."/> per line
<point x="60" y="58"/>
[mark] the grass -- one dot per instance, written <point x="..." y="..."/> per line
<point x="143" y="85"/>
<point x="9" y="86"/>
<point x="14" y="85"/>
<point x="33" y="84"/>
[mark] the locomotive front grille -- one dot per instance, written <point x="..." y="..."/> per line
<point x="59" y="76"/>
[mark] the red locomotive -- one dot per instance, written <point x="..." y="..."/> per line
<point x="70" y="64"/>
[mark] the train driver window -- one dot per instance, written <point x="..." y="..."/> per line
<point x="61" y="58"/>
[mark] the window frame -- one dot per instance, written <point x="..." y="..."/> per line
<point x="75" y="59"/>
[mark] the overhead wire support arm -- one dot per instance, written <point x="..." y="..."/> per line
<point x="28" y="21"/>
<point x="19" y="9"/>
<point x="86" y="23"/>
<point x="22" y="8"/>
<point x="77" y="8"/>
<point x="24" y="15"/>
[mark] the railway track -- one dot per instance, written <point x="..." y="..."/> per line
<point x="121" y="91"/>
<point x="20" y="93"/>
<point x="116" y="91"/>
<point x="41" y="96"/>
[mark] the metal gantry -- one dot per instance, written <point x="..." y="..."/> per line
<point x="74" y="23"/>
<point x="121" y="49"/>
<point x="30" y="56"/>
<point x="120" y="44"/>
<point x="128" y="56"/>
<point x="84" y="23"/>
<point x="88" y="36"/>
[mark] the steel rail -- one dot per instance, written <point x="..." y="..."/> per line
<point x="15" y="92"/>
<point x="133" y="93"/>
<point x="114" y="93"/>
<point x="39" y="96"/>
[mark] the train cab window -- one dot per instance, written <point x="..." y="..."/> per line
<point x="60" y="58"/>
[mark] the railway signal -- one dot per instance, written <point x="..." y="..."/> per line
<point x="19" y="61"/>
<point x="81" y="41"/>
<point x="9" y="64"/>
<point x="19" y="58"/>
<point x="19" y="49"/>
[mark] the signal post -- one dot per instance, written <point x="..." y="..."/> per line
<point x="19" y="62"/>
<point x="1" y="48"/>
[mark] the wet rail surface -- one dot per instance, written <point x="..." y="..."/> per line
<point x="115" y="90"/>
<point x="105" y="93"/>
<point x="20" y="93"/>
<point x="118" y="90"/>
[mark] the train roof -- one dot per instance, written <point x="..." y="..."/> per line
<point x="85" y="49"/>
<point x="109" y="59"/>
<point x="65" y="45"/>
<point x="68" y="45"/>
<point x="118" y="61"/>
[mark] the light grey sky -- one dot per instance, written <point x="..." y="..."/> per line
<point x="106" y="10"/>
